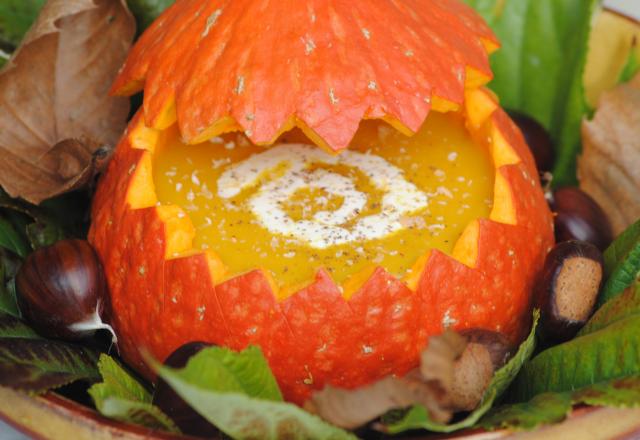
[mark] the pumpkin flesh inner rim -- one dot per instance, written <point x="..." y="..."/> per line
<point x="335" y="209"/>
<point x="180" y="231"/>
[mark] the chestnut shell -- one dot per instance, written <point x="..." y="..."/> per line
<point x="61" y="285"/>
<point x="554" y="327"/>
<point x="496" y="344"/>
<point x="537" y="138"/>
<point x="579" y="217"/>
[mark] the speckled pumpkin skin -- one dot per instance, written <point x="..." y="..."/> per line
<point x="315" y="336"/>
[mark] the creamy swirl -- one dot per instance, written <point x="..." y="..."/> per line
<point x="325" y="228"/>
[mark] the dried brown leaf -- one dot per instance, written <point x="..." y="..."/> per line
<point x="437" y="359"/>
<point x="454" y="372"/>
<point x="609" y="168"/>
<point x="353" y="408"/>
<point x="55" y="112"/>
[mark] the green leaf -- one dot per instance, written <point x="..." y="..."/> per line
<point x="123" y="398"/>
<point x="137" y="413"/>
<point x="241" y="416"/>
<point x="543" y="409"/>
<point x="238" y="393"/>
<point x="418" y="418"/>
<point x="8" y="267"/>
<point x="538" y="71"/>
<point x="117" y="382"/>
<point x="619" y="393"/>
<point x="610" y="353"/>
<point x="622" y="306"/>
<point x="549" y="408"/>
<point x="602" y="362"/>
<point x="14" y="327"/>
<point x="631" y="67"/>
<point x="146" y="11"/>
<point x="11" y="239"/>
<point x="19" y="221"/>
<point x="223" y="370"/>
<point x="8" y="303"/>
<point x="41" y="234"/>
<point x="621" y="263"/>
<point x="37" y="365"/>
<point x="16" y="16"/>
<point x="39" y="224"/>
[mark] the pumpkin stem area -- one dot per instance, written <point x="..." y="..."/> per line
<point x="292" y="208"/>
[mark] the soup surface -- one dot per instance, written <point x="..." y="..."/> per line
<point x="292" y="208"/>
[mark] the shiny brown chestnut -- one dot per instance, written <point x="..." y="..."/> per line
<point x="567" y="289"/>
<point x="165" y="398"/>
<point x="537" y="138"/>
<point x="579" y="217"/>
<point x="62" y="290"/>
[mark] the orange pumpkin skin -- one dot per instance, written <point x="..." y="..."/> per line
<point x="217" y="65"/>
<point x="315" y="336"/>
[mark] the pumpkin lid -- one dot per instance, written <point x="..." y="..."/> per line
<point x="263" y="67"/>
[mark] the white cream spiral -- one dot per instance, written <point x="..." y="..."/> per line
<point x="325" y="228"/>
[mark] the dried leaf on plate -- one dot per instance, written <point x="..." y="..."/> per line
<point x="55" y="112"/>
<point x="609" y="168"/>
<point x="454" y="371"/>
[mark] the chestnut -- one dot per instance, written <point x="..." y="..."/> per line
<point x="165" y="398"/>
<point x="485" y="352"/>
<point x="496" y="344"/>
<point x="579" y="217"/>
<point x="537" y="138"/>
<point x="567" y="289"/>
<point x="62" y="291"/>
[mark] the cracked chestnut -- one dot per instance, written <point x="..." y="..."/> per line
<point x="485" y="352"/>
<point x="567" y="289"/>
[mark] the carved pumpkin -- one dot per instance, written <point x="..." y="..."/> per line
<point x="218" y="218"/>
